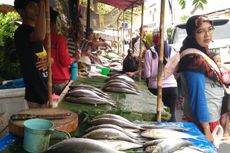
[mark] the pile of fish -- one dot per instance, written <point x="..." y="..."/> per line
<point x="110" y="133"/>
<point x="121" y="84"/>
<point x="80" y="145"/>
<point x="114" y="131"/>
<point x="87" y="94"/>
<point x="169" y="139"/>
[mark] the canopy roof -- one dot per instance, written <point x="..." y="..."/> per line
<point x="122" y="4"/>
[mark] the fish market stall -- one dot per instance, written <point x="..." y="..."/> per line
<point x="149" y="137"/>
<point x="116" y="117"/>
<point x="133" y="106"/>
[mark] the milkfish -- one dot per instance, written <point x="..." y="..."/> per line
<point x="121" y="123"/>
<point x="122" y="77"/>
<point x="82" y="93"/>
<point x="89" y="100"/>
<point x="120" y="144"/>
<point x="81" y="145"/>
<point x="108" y="133"/>
<point x="169" y="145"/>
<point x="122" y="82"/>
<point x="128" y="133"/>
<point x="120" y="90"/>
<point x="92" y="88"/>
<point x="192" y="149"/>
<point x="111" y="116"/>
<point x="119" y="84"/>
<point x="171" y="127"/>
<point x="165" y="133"/>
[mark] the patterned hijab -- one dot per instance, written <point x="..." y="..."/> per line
<point x="194" y="62"/>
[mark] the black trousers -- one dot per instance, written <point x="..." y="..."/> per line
<point x="169" y="98"/>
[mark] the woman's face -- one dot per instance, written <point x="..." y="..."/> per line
<point x="204" y="34"/>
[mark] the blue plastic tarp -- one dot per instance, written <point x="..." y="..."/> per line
<point x="17" y="83"/>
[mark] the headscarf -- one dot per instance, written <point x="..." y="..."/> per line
<point x="167" y="48"/>
<point x="194" y="62"/>
<point x="192" y="24"/>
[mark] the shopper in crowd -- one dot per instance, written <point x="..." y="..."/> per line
<point x="60" y="55"/>
<point x="169" y="84"/>
<point x="33" y="58"/>
<point x="136" y="44"/>
<point x="201" y="88"/>
<point x="90" y="44"/>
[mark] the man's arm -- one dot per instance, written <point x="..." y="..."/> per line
<point x="103" y="44"/>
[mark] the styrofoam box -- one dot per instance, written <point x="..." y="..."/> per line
<point x="12" y="100"/>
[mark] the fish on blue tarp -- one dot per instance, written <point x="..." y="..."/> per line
<point x="81" y="145"/>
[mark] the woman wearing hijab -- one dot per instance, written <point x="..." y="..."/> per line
<point x="202" y="91"/>
<point x="169" y="84"/>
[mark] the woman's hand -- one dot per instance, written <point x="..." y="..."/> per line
<point x="208" y="134"/>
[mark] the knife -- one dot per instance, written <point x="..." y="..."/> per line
<point x="31" y="116"/>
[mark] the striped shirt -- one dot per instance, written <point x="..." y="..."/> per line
<point x="71" y="47"/>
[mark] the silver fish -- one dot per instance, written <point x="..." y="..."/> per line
<point x="122" y="77"/>
<point x="165" y="133"/>
<point x="176" y="128"/>
<point x="128" y="133"/>
<point x="81" y="145"/>
<point x="92" y="88"/>
<point x="130" y="84"/>
<point x="120" y="90"/>
<point x="89" y="100"/>
<point x="114" y="121"/>
<point x="111" y="116"/>
<point x="108" y="133"/>
<point x="82" y="93"/>
<point x="191" y="149"/>
<point x="121" y="144"/>
<point x="119" y="85"/>
<point x="170" y="145"/>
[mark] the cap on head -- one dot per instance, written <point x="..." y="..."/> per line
<point x="195" y="22"/>
<point x="89" y="30"/>
<point x="21" y="4"/>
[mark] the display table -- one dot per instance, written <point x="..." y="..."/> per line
<point x="131" y="106"/>
<point x="12" y="144"/>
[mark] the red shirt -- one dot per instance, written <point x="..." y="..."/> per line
<point x="61" y="57"/>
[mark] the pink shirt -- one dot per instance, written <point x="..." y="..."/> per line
<point x="151" y="69"/>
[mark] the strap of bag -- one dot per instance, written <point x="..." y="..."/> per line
<point x="209" y="61"/>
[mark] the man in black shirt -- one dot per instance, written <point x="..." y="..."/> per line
<point x="33" y="57"/>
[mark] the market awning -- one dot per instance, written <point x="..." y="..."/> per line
<point x="122" y="4"/>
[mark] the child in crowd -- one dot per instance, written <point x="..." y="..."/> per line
<point x="226" y="80"/>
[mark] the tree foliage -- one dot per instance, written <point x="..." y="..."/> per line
<point x="197" y="3"/>
<point x="9" y="65"/>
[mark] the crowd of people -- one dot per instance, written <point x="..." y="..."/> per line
<point x="201" y="83"/>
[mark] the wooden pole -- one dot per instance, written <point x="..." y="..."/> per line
<point x="118" y="35"/>
<point x="123" y="34"/>
<point x="48" y="47"/>
<point x="160" y="62"/>
<point x="88" y="16"/>
<point x="141" y="35"/>
<point x="77" y="2"/>
<point x="131" y="29"/>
